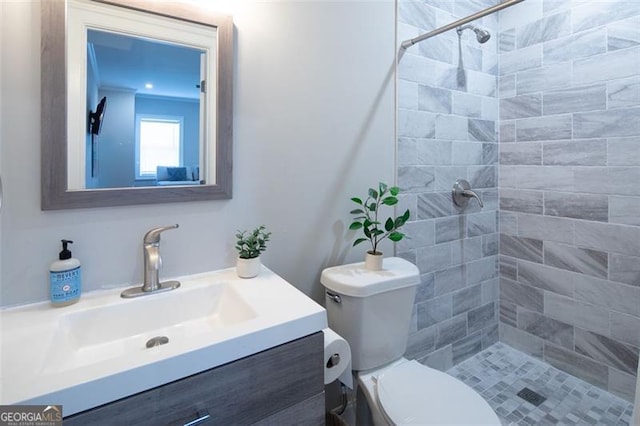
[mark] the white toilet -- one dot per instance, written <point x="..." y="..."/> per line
<point x="372" y="311"/>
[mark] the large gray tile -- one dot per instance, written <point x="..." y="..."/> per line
<point x="575" y="99"/>
<point x="451" y="279"/>
<point x="521" y="248"/>
<point x="451" y="127"/>
<point x="624" y="269"/>
<point x="623" y="151"/>
<point x="438" y="48"/>
<point x="521" y="295"/>
<point x="623" y="93"/>
<point x="434" y="258"/>
<point x="610" y="123"/>
<point x="521" y="153"/>
<point x="575" y="153"/>
<point x="607" y="351"/>
<point x="580" y="314"/>
<point x="507" y="131"/>
<point x="545" y="29"/>
<point x="433" y="99"/>
<point x="594" y="14"/>
<point x="622" y="384"/>
<point x="625" y="328"/>
<point x="421" y="233"/>
<point x="416" y="178"/>
<point x="523" y="341"/>
<point x="481" y="223"/>
<point x="608" y="66"/>
<point x="578" y="365"/>
<point x="414" y="13"/>
<point x="451" y="330"/>
<point x="577" y="206"/>
<point x="467" y="347"/>
<point x="435" y="204"/>
<point x="546" y="278"/>
<point x="508" y="222"/>
<point x="545" y="228"/>
<point x="482" y="270"/>
<point x="467" y="153"/>
<point x="546" y="328"/>
<point x="546" y="177"/>
<point x="608" y="237"/>
<point x="467" y="105"/>
<point x="416" y="124"/>
<point x="624" y="210"/>
<point x="434" y="311"/>
<point x="614" y="296"/>
<point x="521" y="106"/>
<point x="607" y="180"/>
<point x="521" y="201"/>
<point x="584" y="261"/>
<point x="421" y="343"/>
<point x="521" y="59"/>
<point x="546" y="78"/>
<point x="482" y="130"/>
<point x="508" y="267"/>
<point x="440" y="359"/>
<point x="507" y="312"/>
<point x="466" y="250"/>
<point x="481" y="317"/>
<point x="576" y="46"/>
<point x="624" y="33"/>
<point x="466" y="299"/>
<point x="450" y="228"/>
<point x="545" y="128"/>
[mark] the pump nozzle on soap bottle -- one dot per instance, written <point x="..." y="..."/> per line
<point x="65" y="278"/>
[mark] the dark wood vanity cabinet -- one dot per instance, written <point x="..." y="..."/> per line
<point x="280" y="386"/>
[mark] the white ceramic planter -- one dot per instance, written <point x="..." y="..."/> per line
<point x="248" y="268"/>
<point x="373" y="262"/>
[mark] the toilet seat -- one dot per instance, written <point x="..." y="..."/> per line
<point x="410" y="393"/>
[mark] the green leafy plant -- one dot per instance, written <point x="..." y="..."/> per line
<point x="251" y="244"/>
<point x="367" y="217"/>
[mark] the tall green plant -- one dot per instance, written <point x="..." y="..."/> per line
<point x="367" y="217"/>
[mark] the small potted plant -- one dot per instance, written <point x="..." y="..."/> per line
<point x="366" y="218"/>
<point x="249" y="246"/>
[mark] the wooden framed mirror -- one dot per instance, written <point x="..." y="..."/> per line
<point x="65" y="184"/>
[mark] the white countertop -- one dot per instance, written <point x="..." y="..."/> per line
<point x="42" y="362"/>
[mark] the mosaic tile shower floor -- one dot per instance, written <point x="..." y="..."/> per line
<point x="500" y="372"/>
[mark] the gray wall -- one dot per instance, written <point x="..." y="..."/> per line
<point x="311" y="115"/>
<point x="569" y="187"/>
<point x="447" y="112"/>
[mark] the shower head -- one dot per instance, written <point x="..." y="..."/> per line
<point x="481" y="35"/>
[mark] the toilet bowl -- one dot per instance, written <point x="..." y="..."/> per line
<point x="372" y="311"/>
<point x="409" y="393"/>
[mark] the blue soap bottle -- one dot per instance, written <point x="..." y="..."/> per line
<point x="65" y="278"/>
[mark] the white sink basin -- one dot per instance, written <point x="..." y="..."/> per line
<point x="96" y="351"/>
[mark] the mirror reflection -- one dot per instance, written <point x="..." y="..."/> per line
<point x="151" y="134"/>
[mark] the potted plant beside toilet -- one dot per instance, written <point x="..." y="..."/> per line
<point x="367" y="219"/>
<point x="249" y="246"/>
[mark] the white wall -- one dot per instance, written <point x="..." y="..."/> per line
<point x="313" y="125"/>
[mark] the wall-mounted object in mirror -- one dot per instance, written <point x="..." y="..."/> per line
<point x="166" y="69"/>
<point x="95" y="118"/>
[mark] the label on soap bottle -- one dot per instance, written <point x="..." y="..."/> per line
<point x="65" y="285"/>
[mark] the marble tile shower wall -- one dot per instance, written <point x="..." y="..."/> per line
<point x="569" y="88"/>
<point x="447" y="114"/>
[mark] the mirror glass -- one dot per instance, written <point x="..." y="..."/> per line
<point x="148" y="106"/>
<point x="162" y="84"/>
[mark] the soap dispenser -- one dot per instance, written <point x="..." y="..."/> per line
<point x="64" y="277"/>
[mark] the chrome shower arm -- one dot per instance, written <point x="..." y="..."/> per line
<point x="488" y="11"/>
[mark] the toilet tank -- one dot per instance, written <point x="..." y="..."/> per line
<point x="372" y="310"/>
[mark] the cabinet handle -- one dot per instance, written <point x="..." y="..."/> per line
<point x="204" y="416"/>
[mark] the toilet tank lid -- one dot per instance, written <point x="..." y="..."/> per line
<point x="354" y="280"/>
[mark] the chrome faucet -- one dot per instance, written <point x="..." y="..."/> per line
<point x="152" y="264"/>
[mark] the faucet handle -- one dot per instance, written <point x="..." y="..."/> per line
<point x="461" y="193"/>
<point x="153" y="235"/>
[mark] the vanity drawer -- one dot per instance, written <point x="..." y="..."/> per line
<point x="268" y="387"/>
